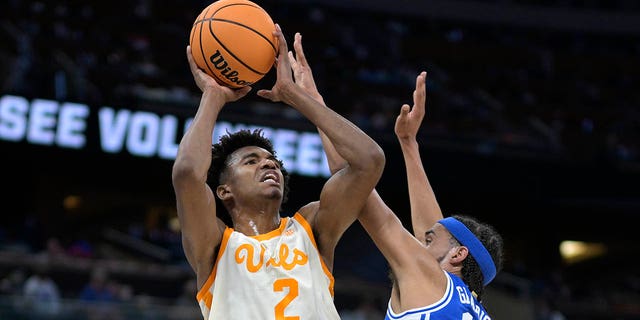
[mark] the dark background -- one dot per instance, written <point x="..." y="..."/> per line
<point x="536" y="193"/>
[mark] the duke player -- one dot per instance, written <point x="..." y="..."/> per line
<point x="256" y="264"/>
<point x="442" y="271"/>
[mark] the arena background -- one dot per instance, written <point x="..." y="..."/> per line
<point x="532" y="125"/>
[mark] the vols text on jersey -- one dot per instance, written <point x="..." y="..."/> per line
<point x="286" y="258"/>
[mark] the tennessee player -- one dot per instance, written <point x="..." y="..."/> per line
<point x="250" y="262"/>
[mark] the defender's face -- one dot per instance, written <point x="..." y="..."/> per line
<point x="255" y="171"/>
<point x="439" y="243"/>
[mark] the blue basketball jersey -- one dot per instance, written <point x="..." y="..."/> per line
<point x="457" y="304"/>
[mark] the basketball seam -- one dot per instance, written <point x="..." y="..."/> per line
<point x="193" y="34"/>
<point x="213" y="74"/>
<point x="252" y="29"/>
<point x="229" y="5"/>
<point x="232" y="54"/>
<point x="212" y="18"/>
<point x="204" y="56"/>
<point x="235" y="4"/>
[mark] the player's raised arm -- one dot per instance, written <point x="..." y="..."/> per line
<point x="345" y="192"/>
<point x="201" y="229"/>
<point x="425" y="211"/>
<point x="380" y="222"/>
<point x="304" y="78"/>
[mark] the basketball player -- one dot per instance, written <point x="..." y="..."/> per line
<point x="260" y="265"/>
<point x="442" y="271"/>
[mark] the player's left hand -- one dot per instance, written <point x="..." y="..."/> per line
<point x="284" y="81"/>
<point x="302" y="70"/>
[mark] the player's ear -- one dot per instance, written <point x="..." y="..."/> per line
<point x="223" y="192"/>
<point x="460" y="253"/>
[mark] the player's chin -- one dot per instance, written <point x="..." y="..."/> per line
<point x="274" y="193"/>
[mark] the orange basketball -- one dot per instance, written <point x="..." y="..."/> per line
<point x="232" y="41"/>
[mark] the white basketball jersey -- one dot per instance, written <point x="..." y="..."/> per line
<point x="273" y="276"/>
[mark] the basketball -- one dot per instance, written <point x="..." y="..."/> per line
<point x="232" y="41"/>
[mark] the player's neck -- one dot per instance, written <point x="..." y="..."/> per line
<point x="255" y="222"/>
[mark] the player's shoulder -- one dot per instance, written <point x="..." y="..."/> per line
<point x="309" y="211"/>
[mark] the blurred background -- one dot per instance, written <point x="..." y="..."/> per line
<point x="533" y="125"/>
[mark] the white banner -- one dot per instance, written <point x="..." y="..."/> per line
<point x="138" y="133"/>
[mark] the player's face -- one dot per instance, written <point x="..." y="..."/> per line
<point x="255" y="172"/>
<point x="439" y="243"/>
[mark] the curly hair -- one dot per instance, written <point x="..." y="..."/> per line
<point x="221" y="151"/>
<point x="491" y="240"/>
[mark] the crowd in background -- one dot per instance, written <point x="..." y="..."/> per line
<point x="68" y="276"/>
<point x="491" y="89"/>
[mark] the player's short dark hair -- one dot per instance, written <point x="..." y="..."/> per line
<point x="220" y="153"/>
<point x="492" y="241"/>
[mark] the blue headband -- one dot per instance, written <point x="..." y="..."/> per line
<point x="477" y="250"/>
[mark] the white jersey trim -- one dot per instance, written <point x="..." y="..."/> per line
<point x="443" y="302"/>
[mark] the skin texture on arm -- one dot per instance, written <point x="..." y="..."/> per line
<point x="425" y="211"/>
<point x="419" y="277"/>
<point x="416" y="270"/>
<point x="346" y="191"/>
<point x="201" y="229"/>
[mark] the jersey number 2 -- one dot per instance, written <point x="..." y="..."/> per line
<point x="278" y="286"/>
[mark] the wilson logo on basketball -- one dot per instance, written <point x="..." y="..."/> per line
<point x="221" y="64"/>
